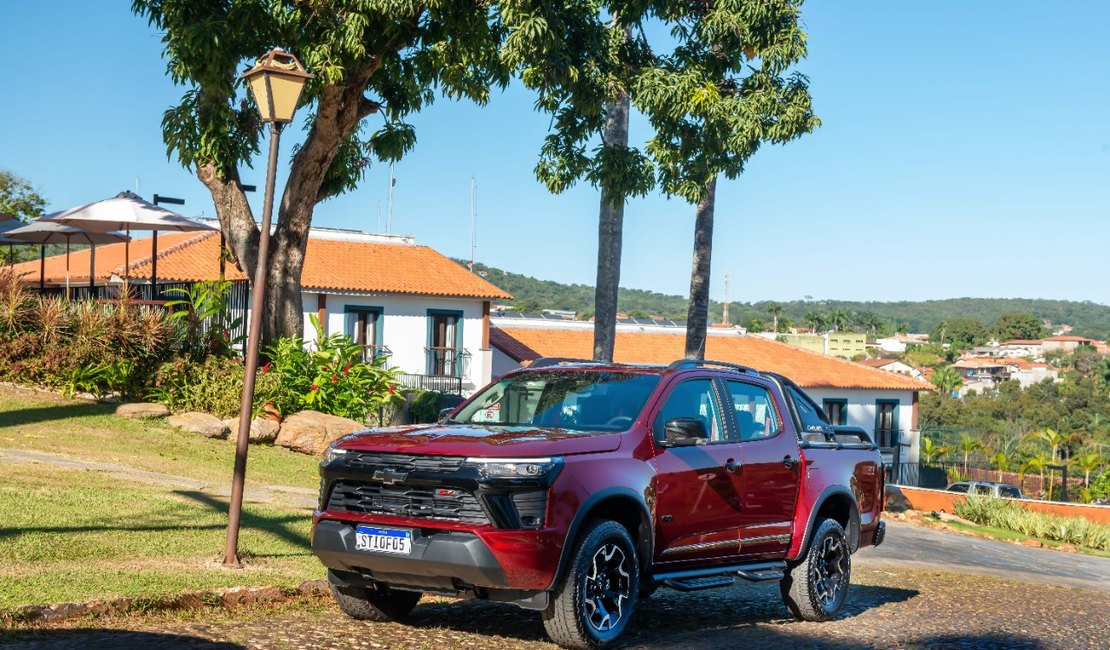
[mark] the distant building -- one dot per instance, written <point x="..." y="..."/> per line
<point x="835" y="344"/>
<point x="1071" y="344"/>
<point x="981" y="373"/>
<point x="895" y="366"/>
<point x="899" y="343"/>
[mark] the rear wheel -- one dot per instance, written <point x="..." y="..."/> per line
<point x="593" y="603"/>
<point x="376" y="603"/>
<point x="816" y="587"/>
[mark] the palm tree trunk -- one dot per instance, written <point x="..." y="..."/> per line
<point x="610" y="236"/>
<point x="697" y="317"/>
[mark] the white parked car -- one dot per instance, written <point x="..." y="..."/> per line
<point x="987" y="488"/>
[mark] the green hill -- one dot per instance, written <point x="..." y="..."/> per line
<point x="531" y="294"/>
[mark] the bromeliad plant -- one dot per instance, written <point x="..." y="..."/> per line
<point x="205" y="310"/>
<point x="330" y="377"/>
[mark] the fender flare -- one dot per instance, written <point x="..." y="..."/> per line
<point x="645" y="544"/>
<point x="853" y="531"/>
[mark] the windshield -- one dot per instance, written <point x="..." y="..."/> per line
<point x="567" y="399"/>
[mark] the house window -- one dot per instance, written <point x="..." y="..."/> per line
<point x="446" y="356"/>
<point x="886" y="422"/>
<point x="837" y="410"/>
<point x="364" y="327"/>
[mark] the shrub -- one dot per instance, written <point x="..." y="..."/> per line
<point x="425" y="408"/>
<point x="331" y="377"/>
<point x="1009" y="515"/>
<point x="214" y="385"/>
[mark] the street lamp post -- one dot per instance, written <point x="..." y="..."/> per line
<point x="276" y="81"/>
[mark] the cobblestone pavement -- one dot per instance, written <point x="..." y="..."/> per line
<point x="887" y="608"/>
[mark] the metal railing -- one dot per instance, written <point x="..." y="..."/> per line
<point x="439" y="383"/>
<point x="447" y="361"/>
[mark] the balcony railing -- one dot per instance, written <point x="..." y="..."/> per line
<point x="448" y="362"/>
<point x="438" y="383"/>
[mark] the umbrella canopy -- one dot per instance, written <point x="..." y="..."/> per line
<point x="7" y="224"/>
<point x="52" y="232"/>
<point x="125" y="211"/>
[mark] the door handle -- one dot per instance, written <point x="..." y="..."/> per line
<point x="733" y="465"/>
<point x="788" y="461"/>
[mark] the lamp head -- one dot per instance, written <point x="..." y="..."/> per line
<point x="276" y="81"/>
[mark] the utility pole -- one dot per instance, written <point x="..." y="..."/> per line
<point x="724" y="316"/>
<point x="389" y="209"/>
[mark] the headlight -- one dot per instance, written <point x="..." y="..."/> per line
<point x="332" y="453"/>
<point x="516" y="468"/>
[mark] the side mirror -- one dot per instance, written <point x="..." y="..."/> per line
<point x="684" y="432"/>
<point x="443" y="413"/>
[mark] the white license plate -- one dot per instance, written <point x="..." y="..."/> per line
<point x="383" y="540"/>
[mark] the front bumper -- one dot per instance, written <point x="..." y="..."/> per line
<point x="441" y="561"/>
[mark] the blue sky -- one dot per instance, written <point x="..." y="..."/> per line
<point x="965" y="152"/>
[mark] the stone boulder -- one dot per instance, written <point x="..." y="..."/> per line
<point x="139" y="410"/>
<point x="310" y="432"/>
<point x="262" y="429"/>
<point x="206" y="425"/>
<point x="895" y="500"/>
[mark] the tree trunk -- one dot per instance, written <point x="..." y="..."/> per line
<point x="697" y="318"/>
<point x="609" y="240"/>
<point x="610" y="236"/>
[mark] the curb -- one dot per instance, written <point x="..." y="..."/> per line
<point x="224" y="598"/>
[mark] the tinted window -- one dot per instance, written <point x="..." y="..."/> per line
<point x="573" y="400"/>
<point x="958" y="487"/>
<point x="812" y="417"/>
<point x="1009" y="491"/>
<point x="692" y="399"/>
<point x="983" y="489"/>
<point x="755" y="412"/>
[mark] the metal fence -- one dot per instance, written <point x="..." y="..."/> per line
<point x="438" y="383"/>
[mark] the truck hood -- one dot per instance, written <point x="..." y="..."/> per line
<point x="476" y="440"/>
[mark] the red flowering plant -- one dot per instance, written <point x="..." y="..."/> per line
<point x="330" y="375"/>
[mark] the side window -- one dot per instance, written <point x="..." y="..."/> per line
<point x="692" y="399"/>
<point x="812" y="417"/>
<point x="983" y="489"/>
<point x="755" y="412"/>
<point x="1009" y="491"/>
<point x="958" y="487"/>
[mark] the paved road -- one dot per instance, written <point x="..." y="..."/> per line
<point x="910" y="546"/>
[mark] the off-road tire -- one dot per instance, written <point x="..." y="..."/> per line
<point x="604" y="557"/>
<point x="378" y="603"/>
<point x="815" y="587"/>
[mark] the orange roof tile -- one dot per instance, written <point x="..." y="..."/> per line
<point x="1023" y="342"/>
<point x="339" y="265"/>
<point x="808" y="369"/>
<point x="1071" y="339"/>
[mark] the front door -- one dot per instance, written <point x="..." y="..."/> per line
<point x="770" y="473"/>
<point x="697" y="491"/>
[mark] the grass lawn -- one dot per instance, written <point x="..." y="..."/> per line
<point x="1011" y="536"/>
<point x="73" y="535"/>
<point x="90" y="432"/>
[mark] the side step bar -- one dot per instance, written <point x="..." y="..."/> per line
<point x="720" y="576"/>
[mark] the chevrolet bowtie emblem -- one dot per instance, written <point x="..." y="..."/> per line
<point x="390" y="476"/>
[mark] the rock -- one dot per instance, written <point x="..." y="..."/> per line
<point x="206" y="425"/>
<point x="895" y="500"/>
<point x="262" y="429"/>
<point x="1067" y="548"/>
<point x="138" y="410"/>
<point x="313" y="588"/>
<point x="1031" y="542"/>
<point x="310" y="432"/>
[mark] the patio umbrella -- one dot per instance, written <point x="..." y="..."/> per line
<point x="8" y="222"/>
<point x="127" y="211"/>
<point x="51" y="232"/>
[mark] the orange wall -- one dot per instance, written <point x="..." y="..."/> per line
<point x="929" y="500"/>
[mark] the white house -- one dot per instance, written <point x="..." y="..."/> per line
<point x="429" y="314"/>
<point x="883" y="403"/>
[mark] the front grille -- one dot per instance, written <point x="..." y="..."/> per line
<point x="370" y="461"/>
<point x="423" y="502"/>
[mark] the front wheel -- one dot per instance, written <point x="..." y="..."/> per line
<point x="593" y="603"/>
<point x="375" y="603"/>
<point x="816" y="587"/>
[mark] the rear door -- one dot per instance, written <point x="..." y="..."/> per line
<point x="770" y="475"/>
<point x="697" y="488"/>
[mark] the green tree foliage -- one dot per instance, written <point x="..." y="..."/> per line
<point x="959" y="333"/>
<point x="1015" y="325"/>
<point x="724" y="90"/>
<point x="19" y="200"/>
<point x="947" y="379"/>
<point x="390" y="58"/>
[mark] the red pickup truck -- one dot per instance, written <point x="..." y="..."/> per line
<point x="577" y="488"/>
